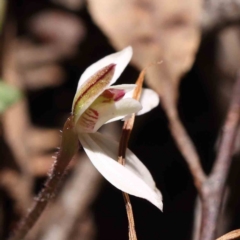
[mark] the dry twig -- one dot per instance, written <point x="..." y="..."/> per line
<point x="187" y="148"/>
<point x="213" y="188"/>
<point x="210" y="188"/>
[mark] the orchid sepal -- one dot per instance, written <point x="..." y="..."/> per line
<point x="132" y="178"/>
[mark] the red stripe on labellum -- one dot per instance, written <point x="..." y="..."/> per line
<point x="99" y="78"/>
<point x="89" y="119"/>
<point x="86" y="123"/>
<point x="91" y="116"/>
<point x="94" y="111"/>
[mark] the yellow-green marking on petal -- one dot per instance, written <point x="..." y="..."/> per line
<point x="91" y="90"/>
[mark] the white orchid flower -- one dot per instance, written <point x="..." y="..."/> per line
<point x="97" y="102"/>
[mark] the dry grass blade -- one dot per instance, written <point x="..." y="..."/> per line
<point x="126" y="131"/>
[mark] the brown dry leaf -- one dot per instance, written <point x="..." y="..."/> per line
<point x="235" y="234"/>
<point x="165" y="30"/>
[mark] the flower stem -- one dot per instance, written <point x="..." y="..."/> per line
<point x="69" y="147"/>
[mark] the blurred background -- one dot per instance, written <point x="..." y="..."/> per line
<point x="47" y="44"/>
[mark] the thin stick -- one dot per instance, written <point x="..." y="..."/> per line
<point x="185" y="145"/>
<point x="127" y="129"/>
<point x="210" y="188"/>
<point x="69" y="147"/>
<point x="214" y="187"/>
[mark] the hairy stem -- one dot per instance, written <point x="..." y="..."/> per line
<point x="69" y="147"/>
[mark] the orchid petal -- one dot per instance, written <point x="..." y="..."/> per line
<point x="128" y="88"/>
<point x="122" y="117"/>
<point x="133" y="178"/>
<point x="121" y="59"/>
<point x="149" y="100"/>
<point x="106" y="110"/>
<point x="91" y="89"/>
